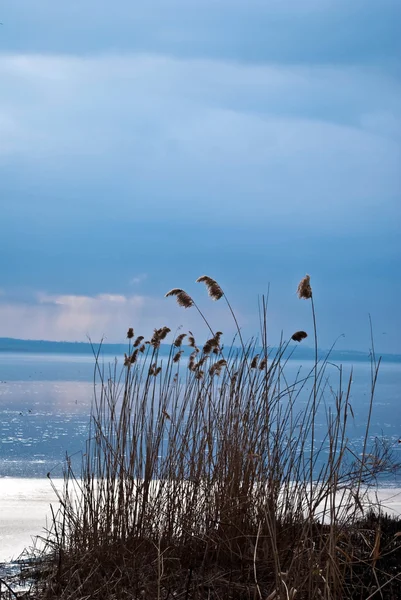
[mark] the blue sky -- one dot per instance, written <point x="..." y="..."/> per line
<point x="145" y="144"/>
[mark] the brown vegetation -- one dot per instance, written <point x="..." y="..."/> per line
<point x="205" y="483"/>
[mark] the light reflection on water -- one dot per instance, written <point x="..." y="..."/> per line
<point x="39" y="422"/>
<point x="45" y="404"/>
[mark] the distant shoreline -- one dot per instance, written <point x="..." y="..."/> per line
<point x="14" y="345"/>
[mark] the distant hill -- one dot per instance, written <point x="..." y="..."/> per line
<point x="48" y="347"/>
<point x="84" y="348"/>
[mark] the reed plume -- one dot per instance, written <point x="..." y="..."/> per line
<point x="183" y="299"/>
<point x="298" y="336"/>
<point x="213" y="288"/>
<point x="202" y="360"/>
<point x="179" y="339"/>
<point x="208" y="347"/>
<point x="130" y="333"/>
<point x="134" y="356"/>
<point x="263" y="364"/>
<point x="138" y="341"/>
<point x="217" y="368"/>
<point x="254" y="362"/>
<point x="213" y="344"/>
<point x="159" y="335"/>
<point x="130" y="360"/>
<point x="191" y="362"/>
<point x="163" y="332"/>
<point x="217" y="337"/>
<point x="304" y="288"/>
<point x="155" y="340"/>
<point x="177" y="356"/>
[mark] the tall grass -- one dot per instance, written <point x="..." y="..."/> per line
<point x="203" y="478"/>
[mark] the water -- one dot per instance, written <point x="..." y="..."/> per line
<point x="45" y="405"/>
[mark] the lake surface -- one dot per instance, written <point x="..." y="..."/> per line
<point x="45" y="403"/>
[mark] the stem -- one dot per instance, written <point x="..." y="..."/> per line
<point x="315" y="377"/>
<point x="237" y="326"/>
<point x="203" y="317"/>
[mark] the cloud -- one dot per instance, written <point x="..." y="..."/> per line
<point x="103" y="316"/>
<point x="235" y="142"/>
<point x="287" y="31"/>
<point x="255" y="141"/>
<point x="138" y="279"/>
<point x="70" y="318"/>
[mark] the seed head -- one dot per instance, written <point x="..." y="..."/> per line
<point x="254" y="361"/>
<point x="130" y="333"/>
<point x="177" y="356"/>
<point x="163" y="332"/>
<point x="134" y="356"/>
<point x="183" y="299"/>
<point x="262" y="364"/>
<point x="138" y="341"/>
<point x="217" y="367"/>
<point x="217" y="337"/>
<point x="207" y="348"/>
<point x="304" y="289"/>
<point x="179" y="339"/>
<point x="213" y="344"/>
<point x="298" y="336"/>
<point x="158" y="336"/>
<point x="213" y="288"/>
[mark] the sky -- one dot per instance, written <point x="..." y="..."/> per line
<point x="143" y="144"/>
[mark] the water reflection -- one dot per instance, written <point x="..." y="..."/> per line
<point x="39" y="423"/>
<point x="45" y="405"/>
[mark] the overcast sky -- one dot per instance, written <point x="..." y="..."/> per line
<point x="143" y="144"/>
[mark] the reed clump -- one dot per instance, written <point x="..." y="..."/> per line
<point x="201" y="480"/>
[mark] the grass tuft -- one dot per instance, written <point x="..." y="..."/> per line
<point x="212" y="484"/>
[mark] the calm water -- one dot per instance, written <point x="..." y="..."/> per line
<point x="45" y="405"/>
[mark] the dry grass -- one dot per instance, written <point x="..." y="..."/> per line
<point x="201" y="481"/>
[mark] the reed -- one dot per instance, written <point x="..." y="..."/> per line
<point x="203" y="478"/>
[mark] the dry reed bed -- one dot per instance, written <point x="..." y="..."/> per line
<point x="203" y="478"/>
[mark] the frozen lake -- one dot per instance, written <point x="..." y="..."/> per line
<point x="25" y="511"/>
